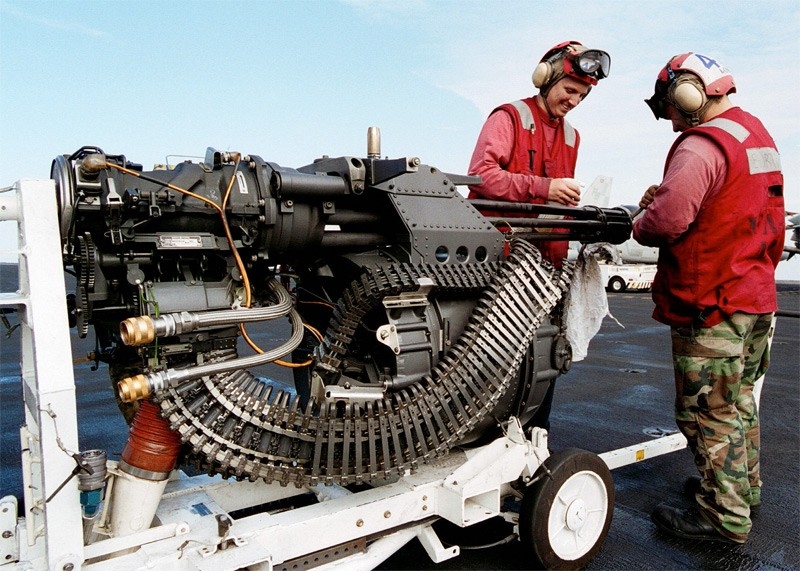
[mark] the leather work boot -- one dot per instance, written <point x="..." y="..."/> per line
<point x="688" y="524"/>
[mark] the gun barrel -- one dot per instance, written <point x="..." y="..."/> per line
<point x="583" y="224"/>
<point x="302" y="185"/>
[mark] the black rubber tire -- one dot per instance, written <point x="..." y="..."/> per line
<point x="616" y="284"/>
<point x="573" y="502"/>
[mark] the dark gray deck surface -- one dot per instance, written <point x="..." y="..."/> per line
<point x="605" y="402"/>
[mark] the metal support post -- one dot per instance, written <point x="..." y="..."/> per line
<point x="49" y="438"/>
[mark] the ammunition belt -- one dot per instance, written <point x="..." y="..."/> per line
<point x="234" y="425"/>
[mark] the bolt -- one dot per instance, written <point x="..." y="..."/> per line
<point x="360" y="523"/>
<point x="7" y="534"/>
<point x="68" y="567"/>
<point x="387" y="514"/>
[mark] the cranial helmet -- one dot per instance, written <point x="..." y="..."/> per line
<point x="687" y="82"/>
<point x="574" y="60"/>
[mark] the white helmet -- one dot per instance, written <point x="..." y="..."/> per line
<point x="686" y="83"/>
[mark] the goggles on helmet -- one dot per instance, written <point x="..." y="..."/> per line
<point x="588" y="66"/>
<point x="594" y="63"/>
<point x="657" y="102"/>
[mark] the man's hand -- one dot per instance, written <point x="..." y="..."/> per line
<point x="566" y="191"/>
<point x="647" y="198"/>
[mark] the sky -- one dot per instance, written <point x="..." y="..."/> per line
<point x="293" y="80"/>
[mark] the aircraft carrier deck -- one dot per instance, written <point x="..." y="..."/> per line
<point x="621" y="394"/>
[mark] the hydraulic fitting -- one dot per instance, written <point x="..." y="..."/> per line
<point x="137" y="330"/>
<point x="91" y="484"/>
<point x="132" y="389"/>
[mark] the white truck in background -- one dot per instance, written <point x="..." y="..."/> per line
<point x="622" y="277"/>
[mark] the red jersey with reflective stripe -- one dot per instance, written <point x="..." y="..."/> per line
<point x="725" y="261"/>
<point x="531" y="153"/>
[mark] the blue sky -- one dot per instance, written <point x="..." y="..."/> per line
<point x="293" y="80"/>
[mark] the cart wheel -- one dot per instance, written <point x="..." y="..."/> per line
<point x="616" y="284"/>
<point x="566" y="514"/>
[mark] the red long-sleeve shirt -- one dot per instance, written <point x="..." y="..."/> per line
<point x="493" y="152"/>
<point x="696" y="173"/>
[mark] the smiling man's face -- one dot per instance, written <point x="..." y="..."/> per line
<point x="565" y="95"/>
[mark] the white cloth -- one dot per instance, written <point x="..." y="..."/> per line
<point x="586" y="303"/>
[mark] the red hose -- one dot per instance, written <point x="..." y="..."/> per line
<point x="151" y="444"/>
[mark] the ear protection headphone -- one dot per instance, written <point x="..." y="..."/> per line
<point x="687" y="94"/>
<point x="545" y="72"/>
<point x="688" y="83"/>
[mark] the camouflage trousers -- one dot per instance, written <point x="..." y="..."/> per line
<point x="716" y="369"/>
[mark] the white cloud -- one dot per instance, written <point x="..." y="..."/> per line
<point x="70" y="26"/>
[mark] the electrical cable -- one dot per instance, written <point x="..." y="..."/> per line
<point x="229" y="237"/>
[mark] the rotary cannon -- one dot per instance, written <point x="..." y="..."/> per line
<point x="416" y="322"/>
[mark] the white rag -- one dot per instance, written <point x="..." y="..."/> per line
<point x="586" y="304"/>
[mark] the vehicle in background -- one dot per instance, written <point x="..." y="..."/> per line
<point x="622" y="277"/>
<point x="792" y="244"/>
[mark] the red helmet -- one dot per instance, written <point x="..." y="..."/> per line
<point x="686" y="83"/>
<point x="573" y="59"/>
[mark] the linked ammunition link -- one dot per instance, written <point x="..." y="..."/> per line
<point x="234" y="424"/>
<point x="393" y="280"/>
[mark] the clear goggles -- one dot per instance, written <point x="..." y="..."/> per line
<point x="593" y="63"/>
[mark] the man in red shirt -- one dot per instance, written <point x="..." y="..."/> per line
<point x="526" y="151"/>
<point x="718" y="220"/>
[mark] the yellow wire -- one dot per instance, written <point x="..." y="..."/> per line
<point x="235" y="252"/>
<point x="316" y="333"/>
<point x="239" y="263"/>
<point x="325" y="303"/>
<point x="170" y="186"/>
